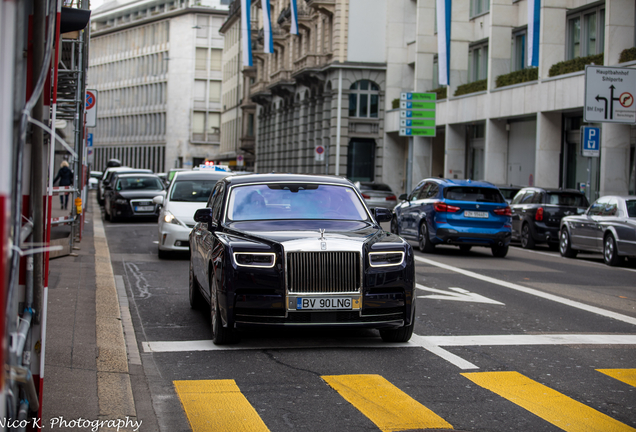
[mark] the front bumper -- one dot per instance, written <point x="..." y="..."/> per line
<point x="471" y="237"/>
<point x="174" y="237"/>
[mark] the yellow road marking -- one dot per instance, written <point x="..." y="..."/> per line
<point x="384" y="404"/>
<point x="628" y="376"/>
<point x="218" y="405"/>
<point x="550" y="405"/>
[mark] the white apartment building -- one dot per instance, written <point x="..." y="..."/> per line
<point x="156" y="65"/>
<point x="512" y="124"/>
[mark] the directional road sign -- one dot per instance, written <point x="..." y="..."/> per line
<point x="590" y="141"/>
<point x="417" y="114"/>
<point x="609" y="95"/>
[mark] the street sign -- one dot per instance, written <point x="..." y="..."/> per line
<point x="319" y="153"/>
<point x="91" y="108"/>
<point x="590" y="141"/>
<point x="417" y="114"/>
<point x="239" y="160"/>
<point x="609" y="95"/>
<point x="89" y="140"/>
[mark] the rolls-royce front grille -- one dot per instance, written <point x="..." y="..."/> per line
<point x="323" y="272"/>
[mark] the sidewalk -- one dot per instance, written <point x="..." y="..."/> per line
<point x="89" y="373"/>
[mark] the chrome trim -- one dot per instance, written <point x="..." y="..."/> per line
<point x="323" y="273"/>
<point x="338" y="324"/>
<point x="255" y="253"/>
<point x="386" y="265"/>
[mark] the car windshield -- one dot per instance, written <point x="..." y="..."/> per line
<point x="473" y="193"/>
<point x="192" y="190"/>
<point x="295" y="201"/>
<point x="631" y="208"/>
<point x="567" y="199"/>
<point x="139" y="183"/>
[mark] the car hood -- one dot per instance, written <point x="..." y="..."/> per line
<point x="184" y="211"/>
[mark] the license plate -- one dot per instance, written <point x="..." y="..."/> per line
<point x="144" y="208"/>
<point x="475" y="214"/>
<point x="323" y="303"/>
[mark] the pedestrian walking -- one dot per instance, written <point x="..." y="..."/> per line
<point x="65" y="175"/>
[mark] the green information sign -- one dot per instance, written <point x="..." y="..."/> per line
<point x="418" y="96"/>
<point x="417" y="114"/>
<point x="420" y="132"/>
<point x="420" y="123"/>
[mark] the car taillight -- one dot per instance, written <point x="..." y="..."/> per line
<point x="503" y="211"/>
<point x="443" y="207"/>
<point x="539" y="214"/>
<point x="365" y="196"/>
<point x="391" y="198"/>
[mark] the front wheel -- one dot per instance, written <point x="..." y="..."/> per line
<point x="196" y="299"/>
<point x="610" y="254"/>
<point x="527" y="241"/>
<point x="424" y="241"/>
<point x="220" y="335"/>
<point x="565" y="246"/>
<point x="500" y="251"/>
<point x="394" y="225"/>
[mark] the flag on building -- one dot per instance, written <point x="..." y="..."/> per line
<point x="534" y="22"/>
<point x="268" y="44"/>
<point x="294" y="18"/>
<point x="246" y="32"/>
<point x="444" y="8"/>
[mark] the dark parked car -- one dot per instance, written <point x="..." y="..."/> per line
<point x="608" y="226"/>
<point x="298" y="250"/>
<point x="131" y="195"/>
<point x="509" y="192"/>
<point x="463" y="213"/>
<point x="107" y="177"/>
<point x="537" y="214"/>
<point x="377" y="194"/>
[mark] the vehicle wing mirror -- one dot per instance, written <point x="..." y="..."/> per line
<point x="403" y="197"/>
<point x="105" y="183"/>
<point x="158" y="199"/>
<point x="204" y="215"/>
<point x="382" y="215"/>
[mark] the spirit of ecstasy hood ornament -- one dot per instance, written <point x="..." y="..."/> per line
<point x="322" y="234"/>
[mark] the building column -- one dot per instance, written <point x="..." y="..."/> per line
<point x="499" y="41"/>
<point x="455" y="157"/>
<point x="461" y="32"/>
<point x="548" y="150"/>
<point x="496" y="151"/>
<point x="422" y="159"/>
<point x="619" y="28"/>
<point x="615" y="147"/>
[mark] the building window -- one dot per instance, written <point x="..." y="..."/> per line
<point x="586" y="33"/>
<point x="518" y="57"/>
<point x="478" y="7"/>
<point x="215" y="59"/>
<point x="364" y="99"/>
<point x="250" y="125"/>
<point x="199" y="90"/>
<point x="215" y="91"/>
<point x="361" y="160"/>
<point x="478" y="62"/>
<point x="201" y="59"/>
<point x="202" y="26"/>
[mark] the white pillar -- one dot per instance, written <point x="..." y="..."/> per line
<point x="496" y="151"/>
<point x="548" y="150"/>
<point x="615" y="167"/>
<point x="455" y="157"/>
<point x="422" y="159"/>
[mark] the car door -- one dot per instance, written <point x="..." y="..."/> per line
<point x="586" y="230"/>
<point x="405" y="214"/>
<point x="414" y="208"/>
<point x="525" y="211"/>
<point x="516" y="212"/>
<point x="212" y="250"/>
<point x="199" y="232"/>
<point x="606" y="219"/>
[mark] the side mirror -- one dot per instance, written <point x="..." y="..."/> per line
<point x="158" y="199"/>
<point x="382" y="214"/>
<point x="204" y="215"/>
<point x="105" y="183"/>
<point x="403" y="197"/>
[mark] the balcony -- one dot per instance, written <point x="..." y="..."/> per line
<point x="310" y="61"/>
<point x="258" y="87"/>
<point x="280" y="75"/>
<point x="325" y="6"/>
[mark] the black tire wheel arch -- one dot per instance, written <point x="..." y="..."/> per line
<point x="394" y="225"/>
<point x="220" y="335"/>
<point x="424" y="242"/>
<point x="500" y="251"/>
<point x="527" y="241"/>
<point x="610" y="251"/>
<point x="565" y="244"/>
<point x="194" y="291"/>
<point x="400" y="334"/>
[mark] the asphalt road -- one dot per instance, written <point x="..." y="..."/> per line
<point x="530" y="342"/>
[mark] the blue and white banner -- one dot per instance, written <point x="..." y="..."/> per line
<point x="294" y="18"/>
<point x="534" y="24"/>
<point x="444" y="8"/>
<point x="267" y="27"/>
<point x="246" y="32"/>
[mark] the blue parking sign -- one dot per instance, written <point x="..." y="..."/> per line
<point x="590" y="141"/>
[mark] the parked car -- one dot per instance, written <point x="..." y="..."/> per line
<point x="188" y="192"/>
<point x="463" y="213"/>
<point x="131" y="195"/>
<point x="106" y="178"/>
<point x="377" y="194"/>
<point x="93" y="180"/>
<point x="608" y="226"/>
<point x="509" y="192"/>
<point x="537" y="214"/>
<point x="298" y="250"/>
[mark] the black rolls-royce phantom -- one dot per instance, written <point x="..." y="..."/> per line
<point x="298" y="250"/>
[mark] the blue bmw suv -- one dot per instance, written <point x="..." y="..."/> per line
<point x="463" y="213"/>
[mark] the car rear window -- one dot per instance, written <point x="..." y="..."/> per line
<point x="473" y="193"/>
<point x="567" y="199"/>
<point x="375" y="187"/>
<point x="631" y="208"/>
<point x="509" y="193"/>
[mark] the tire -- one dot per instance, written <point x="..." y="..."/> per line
<point x="106" y="215"/>
<point x="424" y="241"/>
<point x="394" y="225"/>
<point x="400" y="334"/>
<point x="220" y="335"/>
<point x="527" y="242"/>
<point x="565" y="246"/>
<point x="162" y="254"/>
<point x="465" y="248"/>
<point x="499" y="251"/>
<point x="610" y="252"/>
<point x="194" y="293"/>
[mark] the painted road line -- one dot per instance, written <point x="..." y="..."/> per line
<point x="628" y="376"/>
<point x="384" y="404"/>
<point x="531" y="291"/>
<point x="218" y="405"/>
<point x="522" y="340"/>
<point x="455" y="294"/>
<point x="558" y="255"/>
<point x="544" y="402"/>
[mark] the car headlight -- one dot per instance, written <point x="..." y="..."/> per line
<point x="255" y="259"/>
<point x="121" y="201"/>
<point x="170" y="218"/>
<point x="386" y="259"/>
